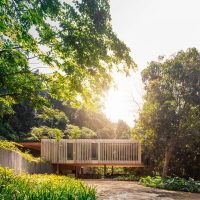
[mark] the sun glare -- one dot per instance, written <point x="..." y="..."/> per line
<point x="146" y="27"/>
<point x="123" y="101"/>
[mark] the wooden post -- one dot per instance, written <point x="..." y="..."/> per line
<point x="57" y="169"/>
<point x="104" y="171"/>
<point x="112" y="170"/>
<point x="76" y="168"/>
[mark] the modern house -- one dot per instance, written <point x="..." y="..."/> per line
<point x="91" y="152"/>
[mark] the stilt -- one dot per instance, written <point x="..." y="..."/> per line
<point x="112" y="170"/>
<point x="76" y="168"/>
<point x="57" y="169"/>
<point x="104" y="171"/>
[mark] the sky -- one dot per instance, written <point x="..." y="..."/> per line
<point x="149" y="28"/>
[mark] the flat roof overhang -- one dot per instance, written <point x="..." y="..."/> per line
<point x="31" y="145"/>
<point x="100" y="164"/>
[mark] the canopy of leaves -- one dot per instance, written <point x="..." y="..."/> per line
<point x="18" y="126"/>
<point x="122" y="130"/>
<point x="74" y="39"/>
<point x="52" y="118"/>
<point x="46" y="132"/>
<point x="169" y="121"/>
<point x="74" y="132"/>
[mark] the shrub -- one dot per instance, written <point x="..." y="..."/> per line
<point x="175" y="183"/>
<point x="127" y="178"/>
<point x="40" y="187"/>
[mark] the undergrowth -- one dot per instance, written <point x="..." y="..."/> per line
<point x="176" y="183"/>
<point x="42" y="187"/>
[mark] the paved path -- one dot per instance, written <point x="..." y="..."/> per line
<point x="127" y="190"/>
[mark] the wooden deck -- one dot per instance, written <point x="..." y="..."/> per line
<point x="92" y="152"/>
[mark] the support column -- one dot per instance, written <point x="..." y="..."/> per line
<point x="112" y="170"/>
<point x="57" y="169"/>
<point x="81" y="170"/>
<point x="77" y="171"/>
<point x="104" y="171"/>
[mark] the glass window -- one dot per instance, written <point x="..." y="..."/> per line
<point x="70" y="151"/>
<point x="94" y="151"/>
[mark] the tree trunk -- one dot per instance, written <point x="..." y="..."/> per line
<point x="168" y="155"/>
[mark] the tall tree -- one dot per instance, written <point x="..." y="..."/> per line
<point x="74" y="39"/>
<point x="53" y="118"/>
<point x="171" y="112"/>
<point x="122" y="130"/>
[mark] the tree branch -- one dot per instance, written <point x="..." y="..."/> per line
<point x="38" y="68"/>
<point x="14" y="73"/>
<point x="32" y="57"/>
<point x="4" y="50"/>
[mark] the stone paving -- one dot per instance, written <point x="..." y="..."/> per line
<point x="127" y="190"/>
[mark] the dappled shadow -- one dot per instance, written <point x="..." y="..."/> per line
<point x="125" y="190"/>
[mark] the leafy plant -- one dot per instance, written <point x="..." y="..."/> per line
<point x="175" y="183"/>
<point x="44" y="131"/>
<point x="169" y="119"/>
<point x="127" y="177"/>
<point x="51" y="187"/>
<point x="75" y="39"/>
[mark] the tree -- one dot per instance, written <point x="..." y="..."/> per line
<point x="92" y="120"/>
<point x="58" y="115"/>
<point x="107" y="132"/>
<point x="52" y="118"/>
<point x="170" y="116"/>
<point x="17" y="126"/>
<point x="46" y="132"/>
<point x="74" y="39"/>
<point x="122" y="130"/>
<point x="51" y="123"/>
<point x="87" y="133"/>
<point x="73" y="132"/>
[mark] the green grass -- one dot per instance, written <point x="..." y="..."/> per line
<point x="176" y="183"/>
<point x="42" y="187"/>
<point x="12" y="146"/>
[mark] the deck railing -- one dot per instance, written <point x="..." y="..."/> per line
<point x="91" y="151"/>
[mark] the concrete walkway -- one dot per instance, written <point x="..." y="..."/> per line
<point x="127" y="190"/>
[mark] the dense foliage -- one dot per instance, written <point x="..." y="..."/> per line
<point x="56" y="50"/>
<point x="168" y="124"/>
<point x="50" y="187"/>
<point x="175" y="183"/>
<point x="59" y="120"/>
<point x="74" y="39"/>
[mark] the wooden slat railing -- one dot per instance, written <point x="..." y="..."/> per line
<point x="91" y="151"/>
